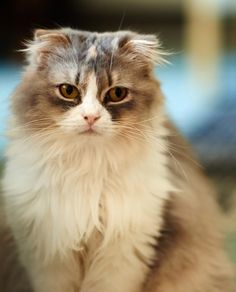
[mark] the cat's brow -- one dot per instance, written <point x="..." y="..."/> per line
<point x="109" y="77"/>
<point x="77" y="78"/>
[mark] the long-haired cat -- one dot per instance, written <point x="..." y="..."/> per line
<point x="100" y="191"/>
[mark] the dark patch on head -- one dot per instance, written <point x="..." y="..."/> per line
<point x="83" y="48"/>
<point x="123" y="41"/>
<point x="104" y="44"/>
<point x="82" y="38"/>
<point x="91" y="64"/>
<point x="77" y="78"/>
<point x="92" y="39"/>
<point x="109" y="76"/>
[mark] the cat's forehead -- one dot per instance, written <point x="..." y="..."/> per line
<point x="86" y="53"/>
<point x="104" y="42"/>
<point x="97" y="47"/>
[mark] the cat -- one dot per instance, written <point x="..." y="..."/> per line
<point x="101" y="192"/>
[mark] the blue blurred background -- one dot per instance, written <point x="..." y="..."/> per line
<point x="199" y="85"/>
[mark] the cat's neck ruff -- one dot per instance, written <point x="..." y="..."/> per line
<point x="66" y="193"/>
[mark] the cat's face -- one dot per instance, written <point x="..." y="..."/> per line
<point x="89" y="84"/>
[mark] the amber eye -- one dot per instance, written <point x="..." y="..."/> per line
<point x="68" y="91"/>
<point x="116" y="94"/>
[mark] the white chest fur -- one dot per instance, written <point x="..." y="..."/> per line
<point x="58" y="200"/>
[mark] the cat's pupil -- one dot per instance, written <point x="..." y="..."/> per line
<point x="118" y="92"/>
<point x="69" y="89"/>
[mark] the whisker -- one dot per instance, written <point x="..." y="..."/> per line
<point x="149" y="136"/>
<point x="113" y="50"/>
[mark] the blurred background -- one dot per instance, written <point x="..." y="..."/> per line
<point x="200" y="84"/>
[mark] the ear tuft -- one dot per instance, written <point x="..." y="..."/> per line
<point x="51" y="35"/>
<point x="40" y="32"/>
<point x="45" y="42"/>
<point x="147" y="47"/>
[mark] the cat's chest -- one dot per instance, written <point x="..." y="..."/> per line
<point x="67" y="202"/>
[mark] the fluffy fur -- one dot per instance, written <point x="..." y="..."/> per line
<point x="108" y="210"/>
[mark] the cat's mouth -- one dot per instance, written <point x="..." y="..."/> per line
<point x="91" y="131"/>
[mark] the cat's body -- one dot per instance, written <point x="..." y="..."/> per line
<point x="94" y="194"/>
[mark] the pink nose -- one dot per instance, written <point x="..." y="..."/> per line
<point x="91" y="118"/>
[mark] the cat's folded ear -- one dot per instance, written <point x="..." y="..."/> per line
<point x="53" y="35"/>
<point x="44" y="43"/>
<point x="143" y="48"/>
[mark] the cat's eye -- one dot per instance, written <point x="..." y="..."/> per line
<point x="68" y="91"/>
<point x="116" y="94"/>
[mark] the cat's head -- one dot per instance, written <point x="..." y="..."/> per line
<point x="88" y="84"/>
